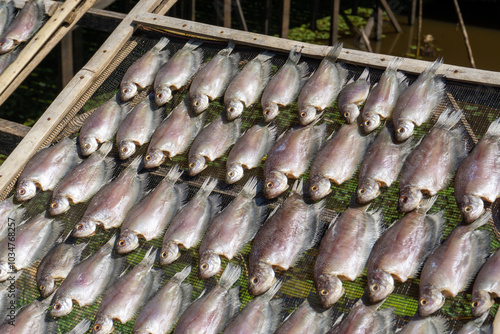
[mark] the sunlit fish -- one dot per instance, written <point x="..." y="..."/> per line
<point x="6" y="59"/>
<point x="353" y="95"/>
<point x="81" y="328"/>
<point x="486" y="285"/>
<point x="30" y="319"/>
<point x="307" y="319"/>
<point x="427" y="325"/>
<point x="475" y="326"/>
<point x="10" y="215"/>
<point x="6" y="14"/>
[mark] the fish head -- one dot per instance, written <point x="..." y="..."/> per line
<point x="163" y="95"/>
<point x="404" y="130"/>
<point x="153" y="158"/>
<point x="307" y="115"/>
<point x="169" y="253"/>
<point x="102" y="325"/>
<point x="371" y="121"/>
<point x="271" y="111"/>
<point x="262" y="279"/>
<point x="276" y="184"/>
<point x="481" y="302"/>
<point x="209" y="265"/>
<point x="125" y="149"/>
<point x="62" y="306"/>
<point x="199" y="103"/>
<point x="234" y="109"/>
<point x="368" y="189"/>
<point x="431" y="300"/>
<point x="380" y="285"/>
<point x="86" y="227"/>
<point x="319" y="187"/>
<point x="234" y="173"/>
<point x="350" y="112"/>
<point x="409" y="199"/>
<point x="6" y="45"/>
<point x="472" y="208"/>
<point x="59" y="205"/>
<point x="4" y="271"/>
<point x="26" y="189"/>
<point x="127" y="91"/>
<point x="127" y="242"/>
<point x="88" y="145"/>
<point x="46" y="286"/>
<point x="196" y="165"/>
<point x="330" y="289"/>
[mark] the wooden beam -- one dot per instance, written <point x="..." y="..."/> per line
<point x="380" y="23"/>
<point x="413" y="13"/>
<point x="227" y="13"/>
<point x="67" y="65"/>
<point x="11" y="134"/>
<point x="241" y="15"/>
<point x="268" y="17"/>
<point x="391" y="15"/>
<point x="102" y="20"/>
<point x="334" y="22"/>
<point x="285" y="21"/>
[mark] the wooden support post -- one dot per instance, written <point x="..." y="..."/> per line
<point x="241" y="16"/>
<point x="380" y="23"/>
<point x="419" y="31"/>
<point x="391" y="15"/>
<point x="193" y="10"/>
<point x="314" y="18"/>
<point x="412" y="13"/>
<point x="334" y="23"/>
<point x="67" y="58"/>
<point x="285" y="22"/>
<point x="227" y="13"/>
<point x="466" y="37"/>
<point x="268" y="17"/>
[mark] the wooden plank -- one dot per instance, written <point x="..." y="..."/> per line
<point x="356" y="57"/>
<point x="11" y="134"/>
<point x="391" y="15"/>
<point x="67" y="58"/>
<point x="380" y="23"/>
<point x="49" y="5"/>
<point x="227" y="13"/>
<point x="285" y="20"/>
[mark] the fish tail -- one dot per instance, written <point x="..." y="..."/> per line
<point x="82" y="327"/>
<point x="161" y="43"/>
<point x="105" y="149"/>
<point x="135" y="165"/>
<point x="295" y="54"/>
<point x="343" y="73"/>
<point x="250" y="189"/>
<point x="386" y="317"/>
<point x="365" y="75"/>
<point x="192" y="44"/>
<point x="298" y="187"/>
<point x="208" y="186"/>
<point x="230" y="275"/>
<point x="394" y="64"/>
<point x="427" y="204"/>
<point x="264" y="56"/>
<point x="233" y="302"/>
<point x="481" y="220"/>
<point x="215" y="204"/>
<point x="182" y="275"/>
<point x="494" y="128"/>
<point x="449" y="118"/>
<point x="432" y="68"/>
<point x="174" y="174"/>
<point x="324" y="319"/>
<point x="436" y="223"/>
<point x="149" y="258"/>
<point x="269" y="294"/>
<point x="229" y="48"/>
<point x="440" y="324"/>
<point x="334" y="52"/>
<point x="480" y="251"/>
<point x="187" y="293"/>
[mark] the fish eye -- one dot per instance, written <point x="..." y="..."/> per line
<point x="423" y="301"/>
<point x="125" y="90"/>
<point x="54" y="205"/>
<point x="368" y="123"/>
<point x="255" y="280"/>
<point x="324" y="292"/>
<point x="159" y="95"/>
<point x="375" y="287"/>
<point x="148" y="157"/>
<point x="346" y="114"/>
<point x="269" y="185"/>
<point x="303" y="114"/>
<point x="79" y="226"/>
<point x="124" y="150"/>
<point x="401" y="130"/>
<point x="204" y="266"/>
<point x="21" y="191"/>
<point x="121" y="243"/>
<point x="97" y="327"/>
<point x="267" y="112"/>
<point x="475" y="304"/>
<point x="196" y="103"/>
<point x="230" y="174"/>
<point x="192" y="165"/>
<point x="42" y="287"/>
<point x="87" y="146"/>
<point x="468" y="209"/>
<point x="230" y="109"/>
<point x="362" y="191"/>
<point x="163" y="254"/>
<point x="404" y="199"/>
<point x="57" y="306"/>
<point x="315" y="188"/>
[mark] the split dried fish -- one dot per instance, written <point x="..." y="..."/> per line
<point x="431" y="165"/>
<point x="6" y="14"/>
<point x="249" y="151"/>
<point x="212" y="142"/>
<point x="284" y="86"/>
<point x="84" y="181"/>
<point x="7" y="58"/>
<point x="290" y="156"/>
<point x="322" y="88"/>
<point x="149" y="218"/>
<point x="31" y="319"/>
<point x="46" y="168"/>
<point x="231" y="229"/>
<point x="10" y="215"/>
<point x="81" y="328"/>
<point x="190" y="223"/>
<point x="289" y="231"/>
<point x="486" y="286"/>
<point x="343" y="252"/>
<point x="247" y="85"/>
<point x="417" y="102"/>
<point x="307" y="319"/>
<point x="210" y="312"/>
<point x="353" y="95"/>
<point x="211" y="81"/>
<point x="87" y="280"/>
<point x="178" y="71"/>
<point x="453" y="265"/>
<point x="143" y="71"/>
<point x="476" y="326"/>
<point x="428" y="325"/>
<point x="174" y="135"/>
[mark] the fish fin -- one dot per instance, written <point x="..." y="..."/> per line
<point x="149" y="258"/>
<point x="198" y="60"/>
<point x="79" y="249"/>
<point x="449" y="118"/>
<point x="343" y="74"/>
<point x="187" y="295"/>
<point x="436" y="223"/>
<point x="51" y="325"/>
<point x="250" y="188"/>
<point x="403" y="82"/>
<point x="135" y="165"/>
<point x="81" y="328"/>
<point x="232" y="303"/>
<point x="273" y="290"/>
<point x="494" y="128"/>
<point x="56" y="231"/>
<point x="394" y="64"/>
<point x="386" y="319"/>
<point x="236" y="131"/>
<point x="161" y="43"/>
<point x="235" y="60"/>
<point x="265" y="56"/>
<point x="334" y="52"/>
<point x="432" y="68"/>
<point x="315" y="226"/>
<point x="273" y="130"/>
<point x="319" y="136"/>
<point x="273" y="212"/>
<point x="365" y="75"/>
<point x="105" y="149"/>
<point x="294" y="55"/>
<point x="479" y="254"/>
<point x="276" y="306"/>
<point x="192" y="44"/>
<point x="228" y="49"/>
<point x="303" y="74"/>
<point x="181" y="190"/>
<point x="427" y="204"/>
<point x="485" y="217"/>
<point x="158" y="276"/>
<point x="174" y="173"/>
<point x="182" y="275"/>
<point x="266" y="67"/>
<point x="324" y="319"/>
<point x="230" y="276"/>
<point x="207" y="187"/>
<point x="298" y="187"/>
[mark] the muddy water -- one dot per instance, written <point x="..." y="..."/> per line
<point x="448" y="40"/>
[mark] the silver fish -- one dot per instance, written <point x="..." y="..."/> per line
<point x="23" y="26"/>
<point x="431" y="165"/>
<point x="249" y="151"/>
<point x="84" y="181"/>
<point x="284" y="86"/>
<point x="210" y="312"/>
<point x="290" y="156"/>
<point x="322" y="88"/>
<point x="260" y="316"/>
<point x="6" y="14"/>
<point x="10" y="216"/>
<point x="211" y="81"/>
<point x="174" y="135"/>
<point x="307" y="319"/>
<point x="478" y="177"/>
<point x="87" y="280"/>
<point x="6" y="59"/>
<point x="162" y="311"/>
<point x="402" y="249"/>
<point x="428" y="325"/>
<point x="100" y="126"/>
<point x="127" y="294"/>
<point x="338" y="159"/>
<point x="56" y="265"/>
<point x="247" y="85"/>
<point x="289" y="231"/>
<point x="111" y="204"/>
<point x="33" y="238"/>
<point x="190" y="223"/>
<point x="353" y="95"/>
<point x="212" y="142"/>
<point x="417" y="102"/>
<point x="476" y="326"/>
<point x="381" y="164"/>
<point x="137" y="128"/>
<point x="30" y="319"/>
<point x="453" y="265"/>
<point x="143" y="71"/>
<point x="46" y="168"/>
<point x="81" y="328"/>
<point x="344" y="251"/>
<point x="486" y="285"/>
<point x="177" y="71"/>
<point x="150" y="217"/>
<point x="383" y="96"/>
<point x="231" y="229"/>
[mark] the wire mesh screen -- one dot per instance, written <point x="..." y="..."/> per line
<point x="481" y="105"/>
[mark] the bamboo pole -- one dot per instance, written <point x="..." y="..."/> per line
<point x="419" y="31"/>
<point x="466" y="37"/>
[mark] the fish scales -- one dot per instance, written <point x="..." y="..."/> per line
<point x="353" y="95"/>
<point x="30" y="319"/>
<point x="6" y="14"/>
<point x="343" y="252"/>
<point x="307" y="319"/>
<point x="428" y="325"/>
<point x="486" y="285"/>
